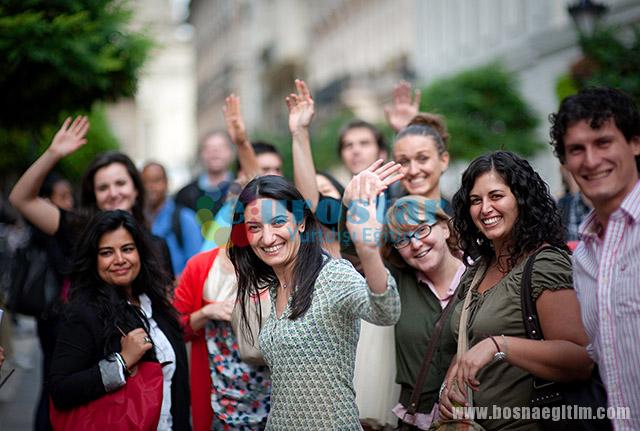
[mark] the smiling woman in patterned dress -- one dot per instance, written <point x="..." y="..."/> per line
<point x="310" y="337"/>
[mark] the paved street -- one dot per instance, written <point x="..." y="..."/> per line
<point x="19" y="395"/>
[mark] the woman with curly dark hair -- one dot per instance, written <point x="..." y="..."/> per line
<point x="503" y="214"/>
<point x="118" y="317"/>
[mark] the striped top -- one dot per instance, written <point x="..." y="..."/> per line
<point x="607" y="281"/>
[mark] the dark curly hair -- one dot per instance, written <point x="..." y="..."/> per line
<point x="111" y="302"/>
<point x="595" y="105"/>
<point x="88" y="196"/>
<point x="255" y="275"/>
<point x="538" y="220"/>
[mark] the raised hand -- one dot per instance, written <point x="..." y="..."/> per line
<point x="383" y="176"/>
<point x="233" y="119"/>
<point x="405" y="106"/>
<point x="70" y="137"/>
<point x="363" y="217"/>
<point x="301" y="107"/>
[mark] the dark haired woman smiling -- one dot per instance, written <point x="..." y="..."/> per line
<point x="309" y="339"/>
<point x="503" y="214"/>
<point x="118" y="315"/>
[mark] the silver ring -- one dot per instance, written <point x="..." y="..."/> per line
<point x="147" y="339"/>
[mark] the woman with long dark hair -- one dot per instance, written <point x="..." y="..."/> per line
<point x="310" y="337"/>
<point x="503" y="214"/>
<point x="110" y="182"/>
<point x="118" y="315"/>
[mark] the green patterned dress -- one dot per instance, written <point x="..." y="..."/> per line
<point x="312" y="358"/>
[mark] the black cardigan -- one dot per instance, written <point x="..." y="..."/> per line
<point x="75" y="375"/>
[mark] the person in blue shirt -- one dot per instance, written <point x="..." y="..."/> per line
<point x="176" y="224"/>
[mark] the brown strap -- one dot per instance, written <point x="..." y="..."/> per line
<point x="431" y="348"/>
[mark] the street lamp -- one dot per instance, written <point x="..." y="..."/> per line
<point x="586" y="15"/>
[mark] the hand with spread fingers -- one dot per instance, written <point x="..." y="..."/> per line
<point x="301" y="107"/>
<point x="233" y="119"/>
<point x="405" y="106"/>
<point x="363" y="218"/>
<point x="70" y="137"/>
<point x="383" y="176"/>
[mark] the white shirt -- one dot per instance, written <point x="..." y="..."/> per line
<point x="164" y="353"/>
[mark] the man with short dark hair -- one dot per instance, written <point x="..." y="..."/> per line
<point x="360" y="144"/>
<point x="268" y="157"/>
<point x="596" y="136"/>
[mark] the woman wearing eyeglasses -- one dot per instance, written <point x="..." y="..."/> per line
<point x="421" y="250"/>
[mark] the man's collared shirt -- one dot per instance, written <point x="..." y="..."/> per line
<point x="607" y="281"/>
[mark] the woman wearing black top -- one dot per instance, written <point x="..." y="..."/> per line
<point x="118" y="289"/>
<point x="110" y="182"/>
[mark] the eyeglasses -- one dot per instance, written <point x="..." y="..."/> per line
<point x="423" y="231"/>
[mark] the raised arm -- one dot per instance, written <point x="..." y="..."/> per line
<point x="238" y="133"/>
<point x="301" y="111"/>
<point x="24" y="196"/>
<point x="405" y="106"/>
<point x="364" y="220"/>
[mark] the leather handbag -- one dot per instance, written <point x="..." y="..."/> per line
<point x="463" y="342"/>
<point x="135" y="406"/>
<point x="588" y="393"/>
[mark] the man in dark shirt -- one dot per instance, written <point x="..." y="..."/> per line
<point x="216" y="155"/>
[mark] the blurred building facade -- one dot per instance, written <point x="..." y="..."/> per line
<point x="159" y="123"/>
<point x="351" y="52"/>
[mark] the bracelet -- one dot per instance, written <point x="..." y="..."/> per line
<point x="499" y="355"/>
<point x="496" y="343"/>
<point x="120" y="359"/>
<point x="442" y="388"/>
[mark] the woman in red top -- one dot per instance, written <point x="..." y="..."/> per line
<point x="236" y="393"/>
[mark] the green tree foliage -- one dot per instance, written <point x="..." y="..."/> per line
<point x="59" y="57"/>
<point x="484" y="111"/>
<point x="63" y="55"/>
<point x="610" y="59"/>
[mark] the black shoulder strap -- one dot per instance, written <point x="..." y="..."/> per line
<point x="431" y="348"/>
<point x="529" y="312"/>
